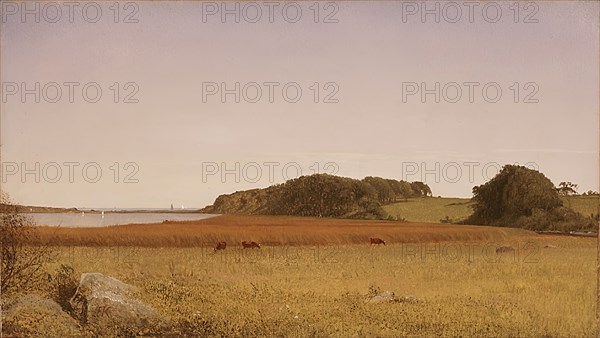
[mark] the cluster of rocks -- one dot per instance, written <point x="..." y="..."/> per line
<point x="102" y="307"/>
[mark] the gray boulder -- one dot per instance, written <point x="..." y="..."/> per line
<point x="110" y="307"/>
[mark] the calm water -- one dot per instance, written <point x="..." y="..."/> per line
<point x="99" y="220"/>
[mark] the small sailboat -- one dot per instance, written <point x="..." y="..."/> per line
<point x="102" y="214"/>
<point x="82" y="213"/>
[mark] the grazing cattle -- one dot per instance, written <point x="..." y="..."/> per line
<point x="502" y="249"/>
<point x="250" y="245"/>
<point x="377" y="241"/>
<point x="220" y="246"/>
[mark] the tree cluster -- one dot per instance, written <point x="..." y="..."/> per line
<point x="521" y="197"/>
<point x="321" y="195"/>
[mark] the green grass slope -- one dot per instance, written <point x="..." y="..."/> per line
<point x="430" y="209"/>
<point x="434" y="209"/>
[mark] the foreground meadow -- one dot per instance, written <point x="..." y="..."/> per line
<point x="457" y="286"/>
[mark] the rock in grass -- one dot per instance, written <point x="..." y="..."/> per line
<point x="109" y="307"/>
<point x="389" y="296"/>
<point x="385" y="296"/>
<point x="34" y="316"/>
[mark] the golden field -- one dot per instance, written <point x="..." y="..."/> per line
<point x="312" y="277"/>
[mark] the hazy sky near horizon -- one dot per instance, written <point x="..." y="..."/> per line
<point x="173" y="142"/>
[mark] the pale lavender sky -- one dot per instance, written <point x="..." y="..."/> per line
<point x="173" y="136"/>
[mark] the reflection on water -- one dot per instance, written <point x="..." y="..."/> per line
<point x="99" y="220"/>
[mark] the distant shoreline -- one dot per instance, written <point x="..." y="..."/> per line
<point x="27" y="209"/>
<point x="109" y="219"/>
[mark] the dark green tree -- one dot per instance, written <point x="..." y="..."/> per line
<point x="385" y="193"/>
<point x="514" y="192"/>
<point x="420" y="189"/>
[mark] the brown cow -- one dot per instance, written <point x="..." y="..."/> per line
<point x="248" y="245"/>
<point x="220" y="246"/>
<point x="375" y="240"/>
<point x="502" y="249"/>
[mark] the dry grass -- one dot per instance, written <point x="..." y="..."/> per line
<point x="321" y="290"/>
<point x="270" y="230"/>
<point x="312" y="279"/>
